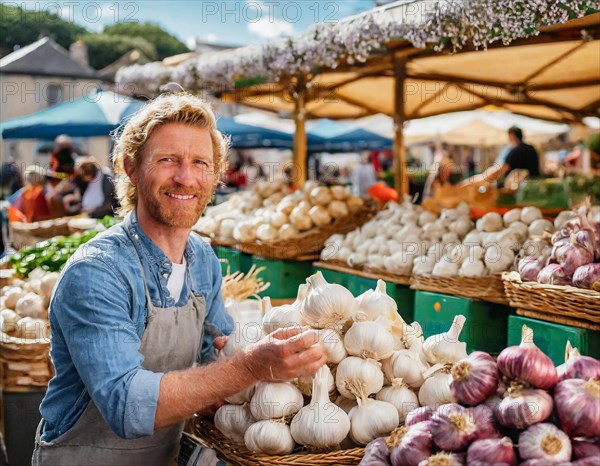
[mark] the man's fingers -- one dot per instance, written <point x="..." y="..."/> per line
<point x="301" y="342"/>
<point x="287" y="332"/>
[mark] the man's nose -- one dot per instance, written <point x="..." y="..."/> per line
<point x="184" y="174"/>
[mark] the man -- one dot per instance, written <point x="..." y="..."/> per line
<point x="133" y="308"/>
<point x="97" y="190"/>
<point x="521" y="156"/>
<point x="62" y="159"/>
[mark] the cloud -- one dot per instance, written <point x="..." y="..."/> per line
<point x="191" y="43"/>
<point x="212" y="38"/>
<point x="270" y="29"/>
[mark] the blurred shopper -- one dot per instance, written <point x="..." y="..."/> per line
<point x="522" y="156"/>
<point x="440" y="171"/>
<point x="97" y="190"/>
<point x="363" y="176"/>
<point x="31" y="204"/>
<point x="62" y="159"/>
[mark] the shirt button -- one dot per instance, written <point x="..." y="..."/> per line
<point x="166" y="275"/>
<point x="136" y="236"/>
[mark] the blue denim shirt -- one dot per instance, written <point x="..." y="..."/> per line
<point x="98" y="315"/>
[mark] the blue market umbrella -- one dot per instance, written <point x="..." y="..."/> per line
<point x="246" y="136"/>
<point x="95" y="114"/>
<point x="336" y="136"/>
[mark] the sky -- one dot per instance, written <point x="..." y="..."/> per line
<point x="228" y="22"/>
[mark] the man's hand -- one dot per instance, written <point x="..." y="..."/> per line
<point x="284" y="355"/>
<point x="210" y="411"/>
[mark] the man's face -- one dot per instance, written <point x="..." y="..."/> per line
<point x="175" y="179"/>
<point x="513" y="140"/>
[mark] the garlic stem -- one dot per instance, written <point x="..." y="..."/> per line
<point x="568" y="349"/>
<point x="317" y="280"/>
<point x="381" y="287"/>
<point x="456" y="328"/>
<point x="526" y="335"/>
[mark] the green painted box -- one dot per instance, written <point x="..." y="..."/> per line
<point x="486" y="326"/>
<point x="285" y="276"/>
<point x="552" y="338"/>
<point x="229" y="257"/>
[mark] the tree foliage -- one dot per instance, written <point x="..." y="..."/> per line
<point x="103" y="49"/>
<point x="165" y="43"/>
<point x="22" y="27"/>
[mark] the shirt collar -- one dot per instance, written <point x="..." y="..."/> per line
<point x="156" y="254"/>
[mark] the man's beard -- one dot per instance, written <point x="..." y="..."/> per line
<point x="182" y="217"/>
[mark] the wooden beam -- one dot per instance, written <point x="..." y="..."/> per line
<point x="400" y="172"/>
<point x="553" y="62"/>
<point x="300" y="143"/>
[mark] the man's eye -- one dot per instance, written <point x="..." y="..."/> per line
<point x="202" y="162"/>
<point x="167" y="159"/>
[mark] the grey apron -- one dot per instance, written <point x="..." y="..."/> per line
<point x="171" y="341"/>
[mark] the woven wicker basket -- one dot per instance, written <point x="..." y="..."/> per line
<point x="308" y="244"/>
<point x="28" y="234"/>
<point x="566" y="301"/>
<point x="238" y="455"/>
<point x="488" y="288"/>
<point x="25" y="363"/>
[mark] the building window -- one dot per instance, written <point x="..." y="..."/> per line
<point x="53" y="94"/>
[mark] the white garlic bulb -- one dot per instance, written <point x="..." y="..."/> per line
<point x="369" y="340"/>
<point x="372" y="419"/>
<point x="305" y="383"/>
<point x="356" y="375"/>
<point x="233" y="421"/>
<point x="333" y="345"/>
<point x="12" y="296"/>
<point x="436" y="391"/>
<point x="269" y="437"/>
<point x="275" y="400"/>
<point x="327" y="305"/>
<point x="401" y="396"/>
<point x="445" y="348"/>
<point x="31" y="305"/>
<point x="406" y="365"/>
<point x="287" y="315"/>
<point x="321" y="424"/>
<point x="241" y="397"/>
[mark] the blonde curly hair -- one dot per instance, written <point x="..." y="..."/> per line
<point x="167" y="108"/>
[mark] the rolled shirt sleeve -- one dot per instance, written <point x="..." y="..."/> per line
<point x="91" y="310"/>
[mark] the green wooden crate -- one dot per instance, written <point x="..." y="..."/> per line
<point x="229" y="257"/>
<point x="285" y="276"/>
<point x="552" y="338"/>
<point x="333" y="276"/>
<point x="486" y="326"/>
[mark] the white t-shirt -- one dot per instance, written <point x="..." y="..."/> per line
<point x="93" y="196"/>
<point x="176" y="280"/>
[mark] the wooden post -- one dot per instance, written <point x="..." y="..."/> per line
<point x="300" y="143"/>
<point x="400" y="174"/>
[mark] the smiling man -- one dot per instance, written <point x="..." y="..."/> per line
<point x="137" y="313"/>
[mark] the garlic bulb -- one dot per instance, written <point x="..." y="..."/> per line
<point x="278" y="219"/>
<point x="339" y="193"/>
<point x="321" y="424"/>
<point x="275" y="400"/>
<point x="333" y="345"/>
<point x="530" y="214"/>
<point x="545" y="442"/>
<point x="522" y="408"/>
<point x="401" y="396"/>
<point x="321" y="196"/>
<point x="372" y="419"/>
<point x="305" y="383"/>
<point x="31" y="305"/>
<point x="233" y="421"/>
<point x="445" y="268"/>
<point x="474" y="379"/>
<point x="468" y="268"/>
<point x="269" y="437"/>
<point x="409" y="447"/>
<point x="12" y="296"/>
<point x="288" y="231"/>
<point x="338" y="209"/>
<point x="578" y="406"/>
<point x="417" y="415"/>
<point x="355" y="203"/>
<point x="327" y="305"/>
<point x="240" y="338"/>
<point x="528" y="363"/>
<point x="512" y="216"/>
<point x="445" y="347"/>
<point x="435" y="390"/>
<point x="320" y="216"/>
<point x="241" y="397"/>
<point x="369" y="340"/>
<point x="48" y="283"/>
<point x="356" y="375"/>
<point x="577" y="366"/>
<point x="300" y="219"/>
<point x="492" y="451"/>
<point x="443" y="459"/>
<point x="9" y="319"/>
<point x="452" y="427"/>
<point x="286" y="315"/>
<point x="406" y="365"/>
<point x="245" y="232"/>
<point x="375" y="303"/>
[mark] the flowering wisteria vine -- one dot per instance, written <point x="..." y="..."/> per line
<point x="448" y="25"/>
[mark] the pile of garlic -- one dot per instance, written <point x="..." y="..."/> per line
<point x="406" y="240"/>
<point x="378" y="370"/>
<point x="270" y="211"/>
<point x="24" y="305"/>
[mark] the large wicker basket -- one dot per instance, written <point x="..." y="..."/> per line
<point x="238" y="455"/>
<point x="25" y="363"/>
<point x="28" y="234"/>
<point x="487" y="288"/>
<point x="308" y="245"/>
<point x="565" y="301"/>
